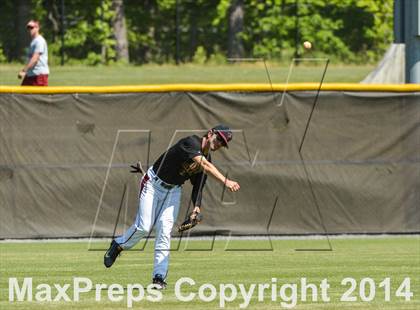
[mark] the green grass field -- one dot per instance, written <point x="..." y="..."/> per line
<point x="377" y="258"/>
<point x="169" y="74"/>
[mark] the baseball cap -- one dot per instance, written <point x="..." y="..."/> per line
<point x="224" y="132"/>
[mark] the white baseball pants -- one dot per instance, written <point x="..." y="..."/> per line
<point x="158" y="208"/>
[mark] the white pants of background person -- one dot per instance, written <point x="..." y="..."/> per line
<point x="158" y="209"/>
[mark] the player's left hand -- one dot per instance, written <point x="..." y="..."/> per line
<point x="193" y="219"/>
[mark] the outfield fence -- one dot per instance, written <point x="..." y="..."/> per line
<point x="65" y="155"/>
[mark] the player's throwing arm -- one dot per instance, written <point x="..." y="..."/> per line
<point x="211" y="169"/>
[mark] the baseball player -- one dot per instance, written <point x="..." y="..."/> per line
<point x="160" y="195"/>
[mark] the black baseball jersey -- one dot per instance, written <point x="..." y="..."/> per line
<point x="175" y="166"/>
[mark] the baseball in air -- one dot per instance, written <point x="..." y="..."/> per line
<point x="307" y="45"/>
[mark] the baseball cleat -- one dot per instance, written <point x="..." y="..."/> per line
<point x="159" y="283"/>
<point x="112" y="253"/>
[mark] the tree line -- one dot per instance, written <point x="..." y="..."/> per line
<point x="175" y="31"/>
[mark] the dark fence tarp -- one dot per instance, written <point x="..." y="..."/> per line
<point x="64" y="161"/>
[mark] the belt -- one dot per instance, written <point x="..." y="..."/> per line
<point x="164" y="184"/>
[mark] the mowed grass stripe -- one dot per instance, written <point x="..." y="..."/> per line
<point x="358" y="258"/>
<point x="188" y="73"/>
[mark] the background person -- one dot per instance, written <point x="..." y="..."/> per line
<point x="36" y="71"/>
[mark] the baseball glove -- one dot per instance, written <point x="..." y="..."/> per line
<point x="193" y="219"/>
